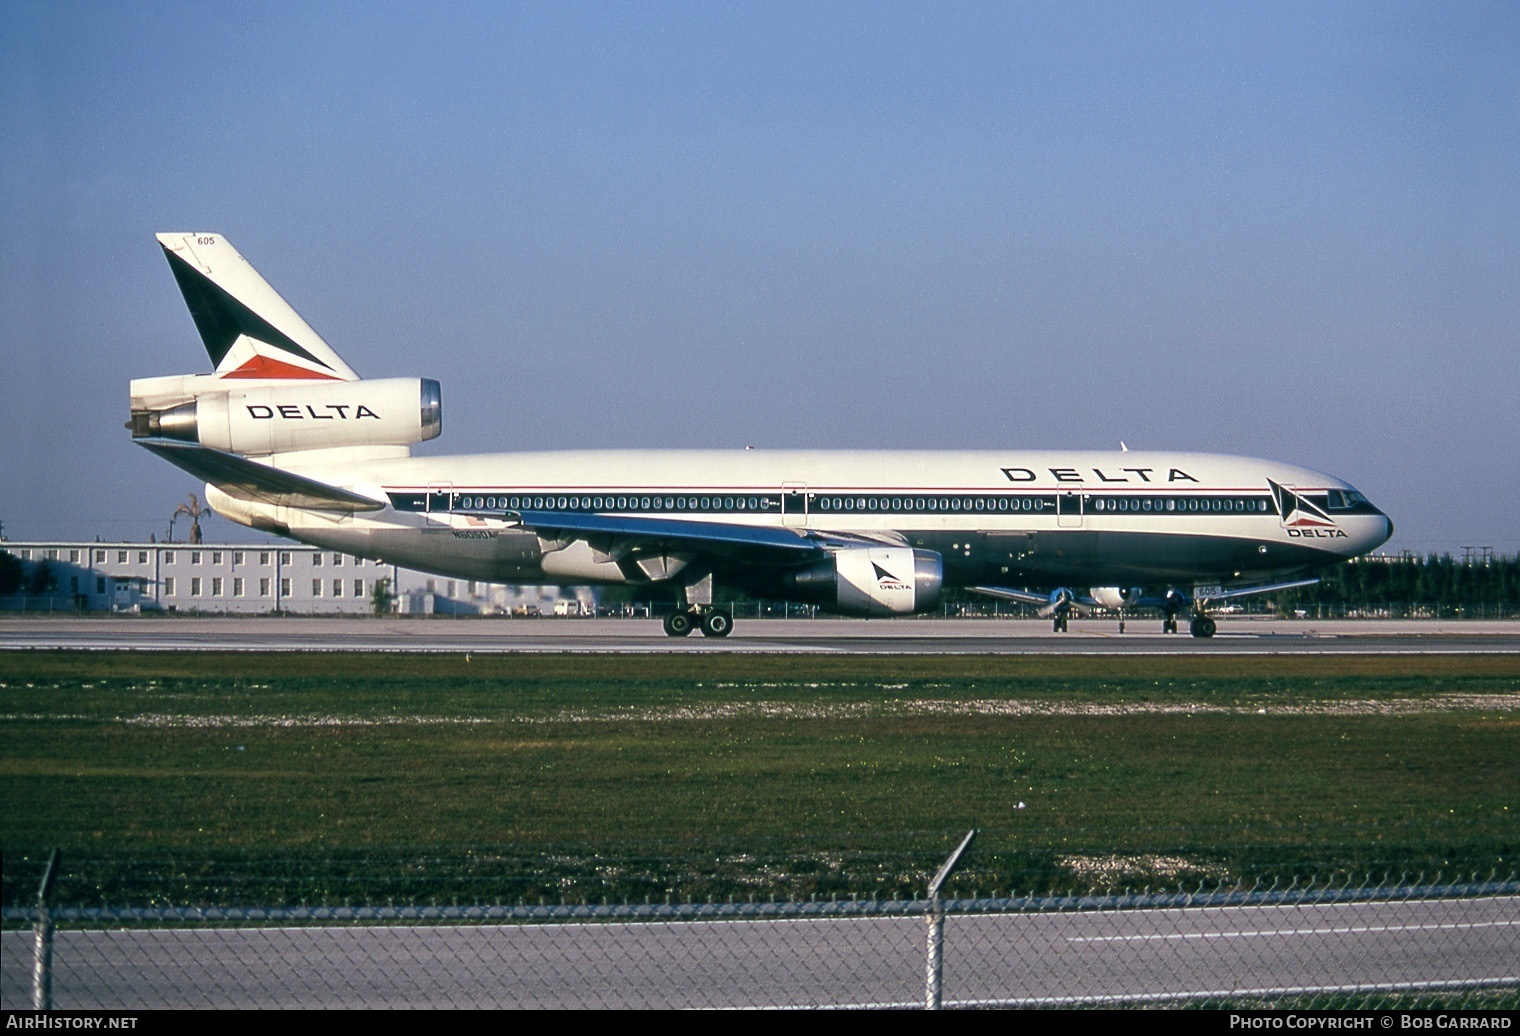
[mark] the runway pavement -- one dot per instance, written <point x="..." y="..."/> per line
<point x="990" y="959"/>
<point x="762" y="636"/>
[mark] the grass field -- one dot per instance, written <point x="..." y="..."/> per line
<point x="280" y="777"/>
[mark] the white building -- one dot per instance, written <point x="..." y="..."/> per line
<point x="239" y="579"/>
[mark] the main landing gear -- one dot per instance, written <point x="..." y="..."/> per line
<point x="713" y="622"/>
<point x="699" y="612"/>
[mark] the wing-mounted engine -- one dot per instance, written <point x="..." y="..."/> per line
<point x="282" y="418"/>
<point x="871" y="581"/>
<point x="1116" y="598"/>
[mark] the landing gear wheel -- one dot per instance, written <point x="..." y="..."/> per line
<point x="717" y="624"/>
<point x="1202" y="627"/>
<point x="1059" y="625"/>
<point x="1121" y="625"/>
<point x="1169" y="624"/>
<point x="678" y="624"/>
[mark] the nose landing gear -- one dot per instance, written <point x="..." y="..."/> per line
<point x="1174" y="604"/>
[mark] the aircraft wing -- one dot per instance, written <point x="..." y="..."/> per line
<point x="1230" y="594"/>
<point x="1048" y="603"/>
<point x="242" y="477"/>
<point x="1173" y="601"/>
<point x="675" y="532"/>
<point x="1006" y="593"/>
<point x="741" y="545"/>
<point x="1207" y="595"/>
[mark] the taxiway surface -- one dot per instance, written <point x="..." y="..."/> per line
<point x="765" y="636"/>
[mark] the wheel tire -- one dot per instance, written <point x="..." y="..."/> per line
<point x="717" y="624"/>
<point x="678" y="624"/>
<point x="1202" y="627"/>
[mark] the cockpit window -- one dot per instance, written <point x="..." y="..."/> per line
<point x="1345" y="500"/>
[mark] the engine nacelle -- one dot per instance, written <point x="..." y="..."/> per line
<point x="1115" y="598"/>
<point x="872" y="581"/>
<point x="284" y="418"/>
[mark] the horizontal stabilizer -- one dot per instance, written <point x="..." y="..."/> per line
<point x="251" y="480"/>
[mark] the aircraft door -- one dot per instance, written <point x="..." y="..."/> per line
<point x="794" y="504"/>
<point x="1069" y="508"/>
<point x="440" y="502"/>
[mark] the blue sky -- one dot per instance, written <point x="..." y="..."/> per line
<point x="1282" y="230"/>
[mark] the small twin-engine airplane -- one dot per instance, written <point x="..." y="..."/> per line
<point x="290" y="440"/>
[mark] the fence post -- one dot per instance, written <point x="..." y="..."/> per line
<point x="934" y="958"/>
<point x="42" y="938"/>
<point x="934" y="961"/>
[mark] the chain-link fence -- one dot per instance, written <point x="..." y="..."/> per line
<point x="1379" y="945"/>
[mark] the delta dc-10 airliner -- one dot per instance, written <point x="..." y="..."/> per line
<point x="291" y="441"/>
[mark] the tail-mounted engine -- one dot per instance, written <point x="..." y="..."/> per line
<point x="265" y="419"/>
<point x="872" y="581"/>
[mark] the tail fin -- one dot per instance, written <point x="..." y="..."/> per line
<point x="249" y="330"/>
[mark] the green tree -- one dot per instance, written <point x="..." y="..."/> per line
<point x="11" y="573"/>
<point x="43" y="581"/>
<point x="380" y="597"/>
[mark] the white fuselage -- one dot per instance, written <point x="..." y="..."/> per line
<point x="1032" y="518"/>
